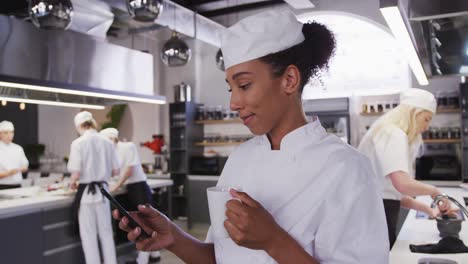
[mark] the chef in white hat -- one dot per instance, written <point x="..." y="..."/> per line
<point x="392" y="144"/>
<point x="92" y="162"/>
<point x="309" y="197"/>
<point x="13" y="161"/>
<point x="134" y="178"/>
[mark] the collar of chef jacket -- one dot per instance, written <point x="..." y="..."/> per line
<point x="90" y="132"/>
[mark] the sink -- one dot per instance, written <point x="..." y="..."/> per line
<point x="436" y="261"/>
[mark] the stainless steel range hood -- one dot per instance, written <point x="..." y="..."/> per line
<point x="439" y="32"/>
<point x="69" y="67"/>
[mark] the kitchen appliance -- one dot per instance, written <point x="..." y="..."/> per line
<point x="182" y="92"/>
<point x="207" y="165"/>
<point x="333" y="114"/>
<point x="440" y="162"/>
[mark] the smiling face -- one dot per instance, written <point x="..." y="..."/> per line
<point x="261" y="100"/>
<point x="423" y="119"/>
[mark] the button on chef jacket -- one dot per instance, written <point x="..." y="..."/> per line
<point x="320" y="190"/>
<point x="128" y="156"/>
<point x="389" y="151"/>
<point x="94" y="156"/>
<point x="12" y="157"/>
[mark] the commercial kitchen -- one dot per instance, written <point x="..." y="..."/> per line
<point x="154" y="70"/>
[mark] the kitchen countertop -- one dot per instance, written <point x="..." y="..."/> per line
<point x="424" y="231"/>
<point x="45" y="200"/>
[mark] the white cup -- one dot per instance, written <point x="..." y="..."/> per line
<point x="218" y="196"/>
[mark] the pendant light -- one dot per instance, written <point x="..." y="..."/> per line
<point x="175" y="52"/>
<point x="144" y="10"/>
<point x="22" y="106"/>
<point x="220" y="60"/>
<point x="51" y="14"/>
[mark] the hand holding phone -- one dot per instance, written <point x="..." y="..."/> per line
<point x="132" y="223"/>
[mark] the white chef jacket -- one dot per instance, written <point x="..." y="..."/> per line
<point x="320" y="190"/>
<point x="94" y="157"/>
<point x="128" y="156"/>
<point x="12" y="157"/>
<point x="389" y="151"/>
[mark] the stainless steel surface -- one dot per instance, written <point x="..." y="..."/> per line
<point x="72" y="62"/>
<point x="175" y="52"/>
<point x="439" y="31"/>
<point x="182" y="92"/>
<point x="175" y="17"/>
<point x="51" y="14"/>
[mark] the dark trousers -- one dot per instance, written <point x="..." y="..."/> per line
<point x="139" y="193"/>
<point x="9" y="186"/>
<point x="392" y="211"/>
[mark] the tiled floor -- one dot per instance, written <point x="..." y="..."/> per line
<point x="198" y="231"/>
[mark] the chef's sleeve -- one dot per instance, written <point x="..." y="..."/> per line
<point x="353" y="228"/>
<point x="115" y="160"/>
<point x="24" y="160"/>
<point x="133" y="158"/>
<point x="74" y="160"/>
<point x="392" y="151"/>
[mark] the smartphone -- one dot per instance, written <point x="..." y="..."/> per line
<point x="132" y="223"/>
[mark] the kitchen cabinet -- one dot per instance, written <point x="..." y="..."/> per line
<point x="198" y="201"/>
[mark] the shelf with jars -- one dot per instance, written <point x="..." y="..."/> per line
<point x="440" y="110"/>
<point x="216" y="122"/>
<point x="218" y="140"/>
<point x="216" y="115"/>
<point x="442" y="141"/>
<point x="442" y="135"/>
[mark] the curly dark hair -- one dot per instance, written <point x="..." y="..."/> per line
<point x="310" y="56"/>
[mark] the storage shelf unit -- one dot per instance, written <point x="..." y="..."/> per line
<point x="217" y="122"/>
<point x="442" y="141"/>
<point x="183" y="132"/>
<point x="217" y="144"/>
<point x="439" y="111"/>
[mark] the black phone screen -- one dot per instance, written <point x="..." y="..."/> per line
<point x="132" y="222"/>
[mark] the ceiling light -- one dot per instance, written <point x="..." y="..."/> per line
<point x="175" y="51"/>
<point x="141" y="99"/>
<point x="144" y="10"/>
<point x="397" y="25"/>
<point x="51" y="14"/>
<point x="220" y="60"/>
<point x="4" y="102"/>
<point x="22" y="106"/>
<point x="42" y="102"/>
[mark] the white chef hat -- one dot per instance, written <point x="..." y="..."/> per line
<point x="83" y="117"/>
<point x="6" y="126"/>
<point x="259" y="35"/>
<point x="419" y="98"/>
<point x="110" y="132"/>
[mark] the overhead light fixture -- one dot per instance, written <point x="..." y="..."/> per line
<point x="144" y="10"/>
<point x="43" y="102"/>
<point x="51" y="14"/>
<point x="220" y="60"/>
<point x="175" y="51"/>
<point x="397" y="25"/>
<point x="4" y="102"/>
<point x="116" y="96"/>
<point x="22" y="106"/>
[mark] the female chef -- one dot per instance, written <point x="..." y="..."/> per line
<point x="132" y="175"/>
<point x="392" y="144"/>
<point x="309" y="197"/>
<point x="92" y="162"/>
<point x="13" y="161"/>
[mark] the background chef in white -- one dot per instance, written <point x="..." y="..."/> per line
<point x="92" y="162"/>
<point x="133" y="176"/>
<point x="309" y="197"/>
<point x="392" y="144"/>
<point x="13" y="161"/>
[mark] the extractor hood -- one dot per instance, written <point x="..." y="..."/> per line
<point x="439" y="33"/>
<point x="71" y="68"/>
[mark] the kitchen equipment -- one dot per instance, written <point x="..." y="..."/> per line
<point x="449" y="226"/>
<point x="182" y="92"/>
<point x="207" y="165"/>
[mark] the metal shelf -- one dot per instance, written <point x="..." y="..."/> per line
<point x="217" y="144"/>
<point x="439" y="111"/>
<point x="442" y="141"/>
<point x="213" y="122"/>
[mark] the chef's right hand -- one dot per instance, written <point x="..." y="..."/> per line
<point x="153" y="222"/>
<point x="13" y="172"/>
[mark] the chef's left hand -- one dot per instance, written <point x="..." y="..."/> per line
<point x="114" y="188"/>
<point x="249" y="224"/>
